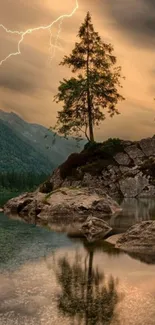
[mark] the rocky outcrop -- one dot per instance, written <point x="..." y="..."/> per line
<point x="120" y="168"/>
<point x="17" y="204"/>
<point x="95" y="229"/>
<point x="133" y="186"/>
<point x="139" y="239"/>
<point x="64" y="206"/>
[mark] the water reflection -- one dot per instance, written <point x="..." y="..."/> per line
<point x="73" y="287"/>
<point x="133" y="211"/>
<point x="21" y="242"/>
<point x="86" y="295"/>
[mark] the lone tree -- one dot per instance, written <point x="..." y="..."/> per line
<point x="94" y="87"/>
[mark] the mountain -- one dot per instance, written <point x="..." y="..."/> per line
<point x="31" y="147"/>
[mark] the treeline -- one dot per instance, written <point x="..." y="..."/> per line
<point x="20" y="181"/>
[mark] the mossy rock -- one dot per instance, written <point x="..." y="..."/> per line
<point x="110" y="147"/>
<point x="95" y="155"/>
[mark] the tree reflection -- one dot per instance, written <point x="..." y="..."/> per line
<point x="86" y="296"/>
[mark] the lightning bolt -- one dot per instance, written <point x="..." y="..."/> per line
<point x="55" y="45"/>
<point x="22" y="34"/>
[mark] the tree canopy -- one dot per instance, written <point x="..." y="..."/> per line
<point x="93" y="89"/>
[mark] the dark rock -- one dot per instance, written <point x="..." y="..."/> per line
<point x="134" y="152"/>
<point x="122" y="159"/>
<point x="148" y="146"/>
<point x="46" y="187"/>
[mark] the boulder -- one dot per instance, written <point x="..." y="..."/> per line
<point x="15" y="205"/>
<point x="134" y="153"/>
<point x="95" y="229"/>
<point x="122" y="159"/>
<point x="148" y="146"/>
<point x="133" y="186"/>
<point x="64" y="205"/>
<point x="139" y="239"/>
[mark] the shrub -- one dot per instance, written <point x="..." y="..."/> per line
<point x="46" y="187"/>
<point x="112" y="146"/>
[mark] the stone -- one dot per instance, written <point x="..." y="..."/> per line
<point x="148" y="192"/>
<point x="129" y="172"/>
<point x="95" y="229"/>
<point x="139" y="239"/>
<point x="134" y="152"/>
<point x="148" y="146"/>
<point x="124" y="169"/>
<point x="122" y="159"/>
<point x="133" y="186"/>
<point x="64" y="205"/>
<point x="15" y="205"/>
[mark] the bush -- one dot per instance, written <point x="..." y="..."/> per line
<point x="69" y="166"/>
<point x="112" y="146"/>
<point x="94" y="156"/>
<point x="46" y="187"/>
<point x="91" y="146"/>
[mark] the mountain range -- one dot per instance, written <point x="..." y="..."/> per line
<point x="28" y="147"/>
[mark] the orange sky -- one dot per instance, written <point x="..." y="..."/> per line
<point x="29" y="82"/>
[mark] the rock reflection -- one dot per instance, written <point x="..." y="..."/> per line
<point x="133" y="211"/>
<point x="87" y="296"/>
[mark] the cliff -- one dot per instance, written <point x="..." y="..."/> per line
<point x="120" y="168"/>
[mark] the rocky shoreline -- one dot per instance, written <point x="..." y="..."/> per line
<point x="78" y="197"/>
<point x="69" y="209"/>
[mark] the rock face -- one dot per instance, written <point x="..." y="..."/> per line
<point x="120" y="168"/>
<point x="63" y="206"/>
<point x="95" y="229"/>
<point x="133" y="186"/>
<point x="139" y="239"/>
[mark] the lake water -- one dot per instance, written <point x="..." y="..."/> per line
<point x="47" y="278"/>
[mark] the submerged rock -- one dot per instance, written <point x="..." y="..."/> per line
<point x="95" y="229"/>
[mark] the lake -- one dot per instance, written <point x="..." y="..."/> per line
<point x="47" y="278"/>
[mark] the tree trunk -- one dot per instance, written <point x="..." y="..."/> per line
<point x="90" y="119"/>
<point x="91" y="132"/>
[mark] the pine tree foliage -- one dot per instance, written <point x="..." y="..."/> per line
<point x="93" y="90"/>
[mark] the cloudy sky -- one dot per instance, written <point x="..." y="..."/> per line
<point x="28" y="82"/>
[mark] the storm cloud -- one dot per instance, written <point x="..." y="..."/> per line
<point x="28" y="82"/>
<point x="136" y="18"/>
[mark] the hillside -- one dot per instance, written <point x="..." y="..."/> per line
<point x="30" y="147"/>
<point x="17" y="155"/>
